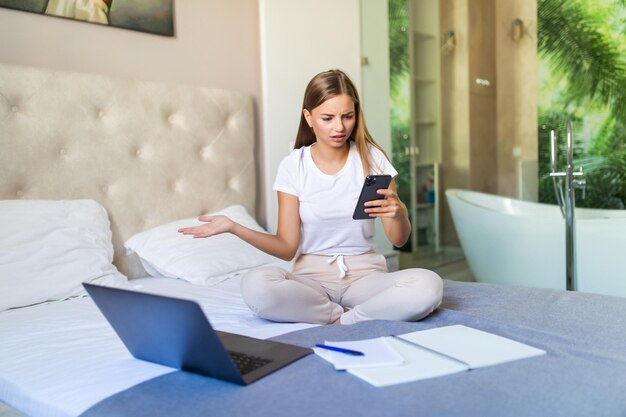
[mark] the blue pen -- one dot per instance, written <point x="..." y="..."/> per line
<point x="342" y="350"/>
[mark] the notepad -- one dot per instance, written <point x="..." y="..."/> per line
<point x="443" y="351"/>
<point x="377" y="352"/>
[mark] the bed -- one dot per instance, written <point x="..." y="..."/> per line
<point x="97" y="174"/>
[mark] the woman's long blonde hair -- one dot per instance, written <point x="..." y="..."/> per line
<point x="324" y="86"/>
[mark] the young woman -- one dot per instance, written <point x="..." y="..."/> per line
<point x="337" y="277"/>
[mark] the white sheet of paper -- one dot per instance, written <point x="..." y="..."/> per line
<point x="377" y="352"/>
<point x="418" y="364"/>
<point x="474" y="347"/>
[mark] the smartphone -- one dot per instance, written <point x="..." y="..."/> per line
<point x="371" y="184"/>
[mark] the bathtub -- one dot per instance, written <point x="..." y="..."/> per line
<point x="509" y="241"/>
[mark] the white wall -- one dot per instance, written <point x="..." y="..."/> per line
<point x="216" y="44"/>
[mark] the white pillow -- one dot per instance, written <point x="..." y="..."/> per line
<point x="48" y="248"/>
<point x="165" y="252"/>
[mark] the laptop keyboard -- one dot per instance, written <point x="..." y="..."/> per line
<point x="248" y="363"/>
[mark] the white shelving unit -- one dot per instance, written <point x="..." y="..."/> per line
<point x="425" y="148"/>
<point x="426" y="226"/>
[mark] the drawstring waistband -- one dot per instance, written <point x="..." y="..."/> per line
<point x="340" y="264"/>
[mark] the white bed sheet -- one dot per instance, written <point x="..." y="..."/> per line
<point x="60" y="358"/>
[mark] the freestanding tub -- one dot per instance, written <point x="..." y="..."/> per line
<point x="509" y="241"/>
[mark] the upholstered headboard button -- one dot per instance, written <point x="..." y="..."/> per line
<point x="234" y="184"/>
<point x="177" y="186"/>
<point x="206" y="152"/>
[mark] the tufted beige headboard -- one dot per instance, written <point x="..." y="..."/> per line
<point x="150" y="153"/>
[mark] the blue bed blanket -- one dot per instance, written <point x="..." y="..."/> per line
<point x="582" y="374"/>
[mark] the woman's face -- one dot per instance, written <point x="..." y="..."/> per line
<point x="332" y="121"/>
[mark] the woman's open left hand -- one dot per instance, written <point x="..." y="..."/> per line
<point x="214" y="225"/>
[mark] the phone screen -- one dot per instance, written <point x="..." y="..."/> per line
<point x="371" y="184"/>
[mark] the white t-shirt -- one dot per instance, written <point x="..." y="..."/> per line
<point x="327" y="201"/>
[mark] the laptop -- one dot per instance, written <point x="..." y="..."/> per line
<point x="176" y="333"/>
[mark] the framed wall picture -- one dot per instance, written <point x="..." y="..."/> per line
<point x="152" y="16"/>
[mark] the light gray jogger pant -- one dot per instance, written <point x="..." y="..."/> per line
<point x="320" y="287"/>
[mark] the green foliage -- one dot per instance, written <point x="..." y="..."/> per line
<point x="399" y="86"/>
<point x="583" y="43"/>
<point x="398" y="41"/>
<point x="574" y="38"/>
